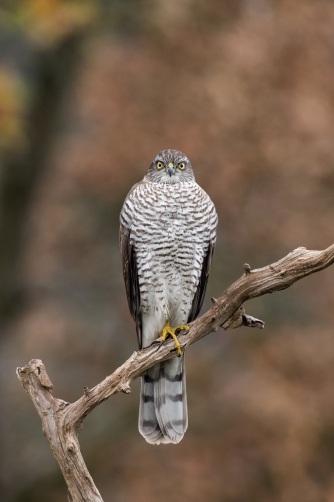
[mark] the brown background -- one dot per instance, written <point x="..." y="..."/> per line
<point x="89" y="93"/>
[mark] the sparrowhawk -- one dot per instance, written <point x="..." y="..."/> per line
<point x="167" y="240"/>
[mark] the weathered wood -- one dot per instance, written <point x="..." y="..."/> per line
<point x="62" y="421"/>
<point x="63" y="439"/>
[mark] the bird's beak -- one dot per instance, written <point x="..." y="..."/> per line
<point x="171" y="169"/>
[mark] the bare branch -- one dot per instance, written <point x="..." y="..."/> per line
<point x="251" y="322"/>
<point x="62" y="421"/>
<point x="62" y="438"/>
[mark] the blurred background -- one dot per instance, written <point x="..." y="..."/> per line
<point x="90" y="91"/>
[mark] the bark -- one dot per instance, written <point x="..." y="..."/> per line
<point x="62" y="421"/>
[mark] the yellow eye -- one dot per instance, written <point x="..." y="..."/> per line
<point x="160" y="165"/>
<point x="182" y="165"/>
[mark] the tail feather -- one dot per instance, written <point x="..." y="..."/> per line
<point x="163" y="403"/>
<point x="148" y="423"/>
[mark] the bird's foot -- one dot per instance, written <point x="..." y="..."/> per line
<point x="168" y="330"/>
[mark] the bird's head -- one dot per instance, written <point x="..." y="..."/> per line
<point x="170" y="166"/>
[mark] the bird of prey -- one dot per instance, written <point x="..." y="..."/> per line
<point x="167" y="240"/>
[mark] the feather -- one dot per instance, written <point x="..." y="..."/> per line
<point x="163" y="416"/>
<point x="201" y="288"/>
<point x="130" y="275"/>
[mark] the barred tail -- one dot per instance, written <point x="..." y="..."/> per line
<point x="163" y="416"/>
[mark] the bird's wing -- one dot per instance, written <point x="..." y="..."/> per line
<point x="130" y="274"/>
<point x="203" y="281"/>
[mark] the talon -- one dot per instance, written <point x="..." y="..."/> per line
<point x="180" y="328"/>
<point x="168" y="330"/>
<point x="160" y="345"/>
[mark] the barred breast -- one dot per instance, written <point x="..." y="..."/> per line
<point x="171" y="227"/>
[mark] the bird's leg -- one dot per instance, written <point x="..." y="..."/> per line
<point x="168" y="330"/>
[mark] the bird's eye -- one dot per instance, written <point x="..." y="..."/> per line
<point x="160" y="165"/>
<point x="182" y="165"/>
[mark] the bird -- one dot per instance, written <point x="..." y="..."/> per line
<point x="167" y="241"/>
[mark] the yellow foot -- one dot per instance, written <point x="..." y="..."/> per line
<point x="171" y="331"/>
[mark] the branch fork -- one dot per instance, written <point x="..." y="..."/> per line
<point x="62" y="421"/>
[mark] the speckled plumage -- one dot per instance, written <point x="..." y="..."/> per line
<point x="167" y="237"/>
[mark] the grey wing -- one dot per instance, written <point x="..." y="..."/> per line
<point x="203" y="281"/>
<point x="130" y="274"/>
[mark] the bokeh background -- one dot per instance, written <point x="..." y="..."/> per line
<point x="90" y="91"/>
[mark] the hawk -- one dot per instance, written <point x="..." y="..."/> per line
<point x="167" y="240"/>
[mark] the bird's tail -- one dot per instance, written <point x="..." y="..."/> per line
<point x="163" y="416"/>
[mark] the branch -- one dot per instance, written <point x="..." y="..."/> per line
<point x="62" y="421"/>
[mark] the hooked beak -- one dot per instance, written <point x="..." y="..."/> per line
<point x="171" y="169"/>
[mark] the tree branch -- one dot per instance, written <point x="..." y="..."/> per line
<point x="62" y="421"/>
